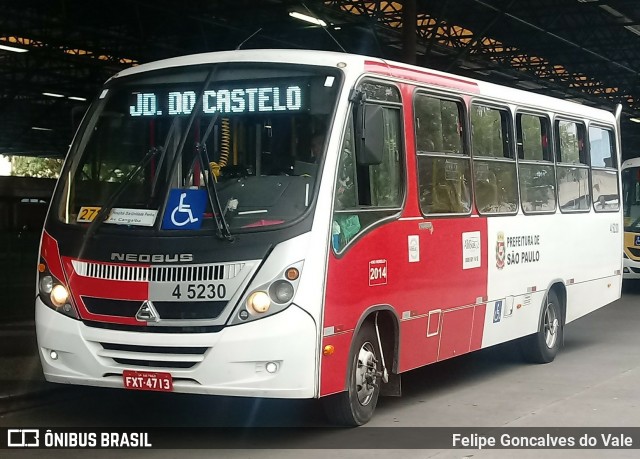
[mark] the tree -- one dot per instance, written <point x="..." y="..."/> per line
<point x="30" y="166"/>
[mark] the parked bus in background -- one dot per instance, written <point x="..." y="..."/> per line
<point x="195" y="245"/>
<point x="631" y="205"/>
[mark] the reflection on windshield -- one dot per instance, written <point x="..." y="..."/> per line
<point x="262" y="129"/>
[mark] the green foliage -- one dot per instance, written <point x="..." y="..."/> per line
<point x="488" y="138"/>
<point x="569" y="142"/>
<point x="438" y="125"/>
<point x="530" y="141"/>
<point x="30" y="166"/>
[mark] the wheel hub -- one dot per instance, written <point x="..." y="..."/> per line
<point x="551" y="325"/>
<point x="366" y="374"/>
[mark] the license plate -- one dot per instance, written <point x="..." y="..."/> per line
<point x="147" y="380"/>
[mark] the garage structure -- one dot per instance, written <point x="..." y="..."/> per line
<point x="584" y="50"/>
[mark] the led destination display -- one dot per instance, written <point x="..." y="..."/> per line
<point x="224" y="101"/>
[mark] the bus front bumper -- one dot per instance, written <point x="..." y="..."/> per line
<point x="631" y="269"/>
<point x="231" y="362"/>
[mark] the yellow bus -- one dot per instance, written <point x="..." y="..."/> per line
<point x="631" y="204"/>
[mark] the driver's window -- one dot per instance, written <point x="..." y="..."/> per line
<point x="346" y="195"/>
<point x="364" y="195"/>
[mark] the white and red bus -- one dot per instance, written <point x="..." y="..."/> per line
<point x="303" y="224"/>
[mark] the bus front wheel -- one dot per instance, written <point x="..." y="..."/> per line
<point x="543" y="346"/>
<point x="355" y="406"/>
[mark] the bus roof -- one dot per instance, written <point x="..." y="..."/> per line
<point x="309" y="57"/>
<point x="360" y="64"/>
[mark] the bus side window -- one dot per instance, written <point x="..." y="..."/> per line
<point x="536" y="166"/>
<point x="572" y="167"/>
<point x="604" y="175"/>
<point x="345" y="195"/>
<point x="494" y="174"/>
<point x="444" y="169"/>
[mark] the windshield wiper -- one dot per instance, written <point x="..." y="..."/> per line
<point x="223" y="231"/>
<point x="154" y="185"/>
<point x="212" y="192"/>
<point x="109" y="203"/>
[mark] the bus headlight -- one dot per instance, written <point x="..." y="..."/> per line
<point x="269" y="297"/>
<point x="259" y="302"/>
<point x="46" y="285"/>
<point x="54" y="293"/>
<point x="59" y="295"/>
<point x="281" y="291"/>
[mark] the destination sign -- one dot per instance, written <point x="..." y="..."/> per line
<point x="224" y="101"/>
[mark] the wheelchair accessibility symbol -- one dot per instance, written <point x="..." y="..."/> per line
<point x="184" y="209"/>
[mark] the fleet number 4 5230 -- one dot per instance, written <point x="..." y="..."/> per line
<point x="199" y="291"/>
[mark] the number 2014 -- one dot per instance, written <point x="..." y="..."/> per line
<point x="378" y="273"/>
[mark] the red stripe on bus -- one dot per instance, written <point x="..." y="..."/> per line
<point x="422" y="75"/>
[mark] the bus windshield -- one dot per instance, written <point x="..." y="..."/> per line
<point x="631" y="196"/>
<point x="249" y="136"/>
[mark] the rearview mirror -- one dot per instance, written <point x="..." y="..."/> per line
<point x="370" y="134"/>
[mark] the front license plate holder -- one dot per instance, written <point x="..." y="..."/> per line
<point x="147" y="380"/>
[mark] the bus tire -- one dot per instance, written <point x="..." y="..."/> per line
<point x="355" y="406"/>
<point x="543" y="346"/>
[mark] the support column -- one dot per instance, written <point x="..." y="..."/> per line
<point x="409" y="30"/>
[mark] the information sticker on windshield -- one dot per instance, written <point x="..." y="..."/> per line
<point x="87" y="214"/>
<point x="134" y="217"/>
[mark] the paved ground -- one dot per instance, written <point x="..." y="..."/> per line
<point x="20" y="371"/>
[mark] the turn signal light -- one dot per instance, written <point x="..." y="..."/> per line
<point x="292" y="274"/>
<point x="328" y="349"/>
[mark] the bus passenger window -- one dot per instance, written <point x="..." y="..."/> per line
<point x="604" y="175"/>
<point x="494" y="165"/>
<point x="572" y="167"/>
<point x="438" y="126"/>
<point x="443" y="164"/>
<point x="536" y="165"/>
<point x="444" y="185"/>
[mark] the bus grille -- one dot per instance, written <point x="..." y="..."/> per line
<point x="634" y="252"/>
<point x="188" y="273"/>
<point x="174" y="310"/>
<point x="153" y="356"/>
<point x="148" y="329"/>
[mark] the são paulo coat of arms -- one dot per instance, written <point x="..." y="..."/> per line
<point x="500" y="250"/>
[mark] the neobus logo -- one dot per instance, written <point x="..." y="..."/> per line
<point x="151" y="258"/>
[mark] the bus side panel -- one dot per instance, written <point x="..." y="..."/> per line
<point x="457" y="325"/>
<point x="529" y="253"/>
<point x="433" y="275"/>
